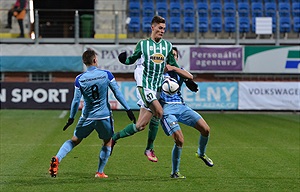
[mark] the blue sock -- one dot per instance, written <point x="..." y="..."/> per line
<point x="176" y="154"/>
<point x="64" y="150"/>
<point x="202" y="145"/>
<point x="103" y="158"/>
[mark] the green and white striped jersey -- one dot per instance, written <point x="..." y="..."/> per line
<point x="156" y="56"/>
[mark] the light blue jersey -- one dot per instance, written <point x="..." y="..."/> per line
<point x="175" y="110"/>
<point x="93" y="86"/>
<point x="175" y="98"/>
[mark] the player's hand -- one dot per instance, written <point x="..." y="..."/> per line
<point x="131" y="116"/>
<point x="122" y="57"/>
<point x="191" y="85"/>
<point x="70" y="122"/>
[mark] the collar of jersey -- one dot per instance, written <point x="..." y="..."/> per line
<point x="91" y="68"/>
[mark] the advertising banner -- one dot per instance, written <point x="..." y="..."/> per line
<point x="36" y="95"/>
<point x="269" y="96"/>
<point x="108" y="57"/>
<point x="224" y="58"/>
<point x="211" y="96"/>
<point x="272" y="59"/>
<point x="41" y="58"/>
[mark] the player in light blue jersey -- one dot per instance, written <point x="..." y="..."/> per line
<point x="93" y="86"/>
<point x="175" y="110"/>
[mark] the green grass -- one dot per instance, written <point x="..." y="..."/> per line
<point x="251" y="152"/>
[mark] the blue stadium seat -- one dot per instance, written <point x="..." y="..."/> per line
<point x="270" y="11"/>
<point x="174" y="1"/>
<point x="188" y="9"/>
<point x="284" y="24"/>
<point x="244" y="24"/>
<point x="202" y="8"/>
<point x="296" y="26"/>
<point x="148" y="9"/>
<point x="134" y="9"/>
<point x="284" y="9"/>
<point x="216" y="9"/>
<point x="134" y="25"/>
<point x="229" y="1"/>
<point x="296" y="9"/>
<point x="243" y="9"/>
<point x="216" y="24"/>
<point x="229" y="24"/>
<point x="162" y="9"/>
<point x="283" y="1"/>
<point x="175" y="9"/>
<point x="253" y="26"/>
<point x="175" y="24"/>
<point x="203" y="24"/>
<point x="146" y="24"/>
<point x="229" y="9"/>
<point x="215" y="1"/>
<point x="256" y="9"/>
<point x="189" y="24"/>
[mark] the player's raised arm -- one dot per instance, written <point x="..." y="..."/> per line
<point x="128" y="60"/>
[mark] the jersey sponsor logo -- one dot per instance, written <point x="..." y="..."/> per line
<point x="157" y="58"/>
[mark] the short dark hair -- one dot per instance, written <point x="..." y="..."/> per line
<point x="175" y="49"/>
<point x="158" y="19"/>
<point x="88" y="56"/>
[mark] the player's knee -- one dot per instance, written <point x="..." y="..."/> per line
<point x="159" y="113"/>
<point x="179" y="141"/>
<point x="206" y="131"/>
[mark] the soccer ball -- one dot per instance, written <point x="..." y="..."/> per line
<point x="170" y="86"/>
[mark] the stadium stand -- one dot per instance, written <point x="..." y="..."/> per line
<point x="134" y="25"/>
<point x="146" y="24"/>
<point x="148" y="9"/>
<point x="256" y="11"/>
<point x="181" y="18"/>
<point x="296" y="26"/>
<point x="229" y="9"/>
<point x="134" y="9"/>
<point x="270" y="11"/>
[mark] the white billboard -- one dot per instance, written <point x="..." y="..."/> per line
<point x="269" y="96"/>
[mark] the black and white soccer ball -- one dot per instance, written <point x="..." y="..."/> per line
<point x="170" y="86"/>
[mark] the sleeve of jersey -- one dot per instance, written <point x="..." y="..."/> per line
<point x="113" y="85"/>
<point x="135" y="56"/>
<point x="171" y="60"/>
<point x="76" y="100"/>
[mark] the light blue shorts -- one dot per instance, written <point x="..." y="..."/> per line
<point x="104" y="128"/>
<point x="174" y="113"/>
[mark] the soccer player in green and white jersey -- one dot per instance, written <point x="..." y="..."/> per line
<point x="156" y="53"/>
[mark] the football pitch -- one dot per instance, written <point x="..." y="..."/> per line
<point x="251" y="152"/>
